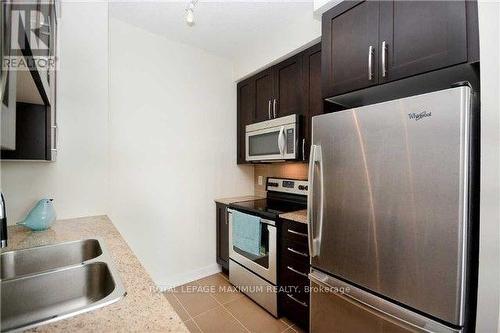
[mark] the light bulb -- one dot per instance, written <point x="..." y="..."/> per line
<point x="189" y="17"/>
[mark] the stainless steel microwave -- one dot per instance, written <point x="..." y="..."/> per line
<point x="272" y="140"/>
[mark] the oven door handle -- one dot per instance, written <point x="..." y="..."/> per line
<point x="264" y="221"/>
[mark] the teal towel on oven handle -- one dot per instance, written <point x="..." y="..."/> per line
<point x="246" y="232"/>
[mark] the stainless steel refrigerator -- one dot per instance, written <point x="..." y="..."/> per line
<point x="389" y="215"/>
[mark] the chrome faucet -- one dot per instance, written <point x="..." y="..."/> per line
<point x="3" y="218"/>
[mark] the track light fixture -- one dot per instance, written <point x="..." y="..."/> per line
<point x="190" y="12"/>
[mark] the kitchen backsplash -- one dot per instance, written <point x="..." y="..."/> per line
<point x="281" y="170"/>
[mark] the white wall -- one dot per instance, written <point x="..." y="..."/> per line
<point x="489" y="252"/>
<point x="278" y="45"/>
<point x="321" y="6"/>
<point x="172" y="151"/>
<point x="78" y="180"/>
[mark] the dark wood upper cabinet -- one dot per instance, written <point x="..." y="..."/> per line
<point x="312" y="99"/>
<point x="32" y="94"/>
<point x="420" y="36"/>
<point x="245" y="114"/>
<point x="292" y="86"/>
<point x="264" y="91"/>
<point x="31" y="133"/>
<point x="288" y="87"/>
<point x="407" y="38"/>
<point x="350" y="44"/>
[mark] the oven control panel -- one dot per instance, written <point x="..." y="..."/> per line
<point x="293" y="186"/>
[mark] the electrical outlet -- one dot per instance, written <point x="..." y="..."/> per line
<point x="260" y="180"/>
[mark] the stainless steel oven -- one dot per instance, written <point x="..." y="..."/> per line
<point x="253" y="239"/>
<point x="272" y="140"/>
<point x="264" y="264"/>
<point x="255" y="275"/>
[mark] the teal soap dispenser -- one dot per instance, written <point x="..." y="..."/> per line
<point x="41" y="216"/>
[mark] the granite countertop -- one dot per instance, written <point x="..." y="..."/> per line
<point x="298" y="216"/>
<point x="228" y="201"/>
<point x="142" y="309"/>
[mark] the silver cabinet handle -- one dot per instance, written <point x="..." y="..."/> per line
<point x="269" y="109"/>
<point x="54" y="128"/>
<point x="297" y="233"/>
<point x="290" y="268"/>
<point x="274" y="107"/>
<point x="297" y="252"/>
<point x="370" y="63"/>
<point x="296" y="300"/>
<point x="384" y="59"/>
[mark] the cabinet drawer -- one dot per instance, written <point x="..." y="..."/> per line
<point x="295" y="250"/>
<point x="295" y="232"/>
<point x="294" y="282"/>
<point x="299" y="268"/>
<point x="295" y="310"/>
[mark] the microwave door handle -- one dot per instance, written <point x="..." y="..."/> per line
<point x="281" y="140"/>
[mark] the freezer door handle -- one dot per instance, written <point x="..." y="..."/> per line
<point x="377" y="306"/>
<point x="315" y="223"/>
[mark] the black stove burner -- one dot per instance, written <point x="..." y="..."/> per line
<point x="268" y="207"/>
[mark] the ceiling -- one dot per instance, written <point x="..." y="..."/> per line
<point x="229" y="29"/>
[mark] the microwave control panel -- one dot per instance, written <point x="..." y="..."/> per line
<point x="290" y="139"/>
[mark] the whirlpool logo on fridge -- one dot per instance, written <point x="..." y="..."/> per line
<point x="419" y="116"/>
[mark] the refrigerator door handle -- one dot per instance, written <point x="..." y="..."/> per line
<point x="310" y="216"/>
<point x="315" y="157"/>
<point x="378" y="306"/>
<point x="317" y="240"/>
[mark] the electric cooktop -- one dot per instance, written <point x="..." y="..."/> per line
<point x="283" y="196"/>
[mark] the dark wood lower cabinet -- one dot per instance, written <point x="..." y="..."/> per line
<point x="222" y="236"/>
<point x="292" y="275"/>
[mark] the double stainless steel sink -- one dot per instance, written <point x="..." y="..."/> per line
<point x="48" y="283"/>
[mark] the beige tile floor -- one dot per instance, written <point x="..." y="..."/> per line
<point x="212" y="304"/>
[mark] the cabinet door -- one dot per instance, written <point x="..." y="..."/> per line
<point x="245" y="114"/>
<point x="350" y="47"/>
<point x="313" y="101"/>
<point x="222" y="236"/>
<point x="421" y="36"/>
<point x="263" y="95"/>
<point x="288" y="87"/>
<point x="31" y="133"/>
